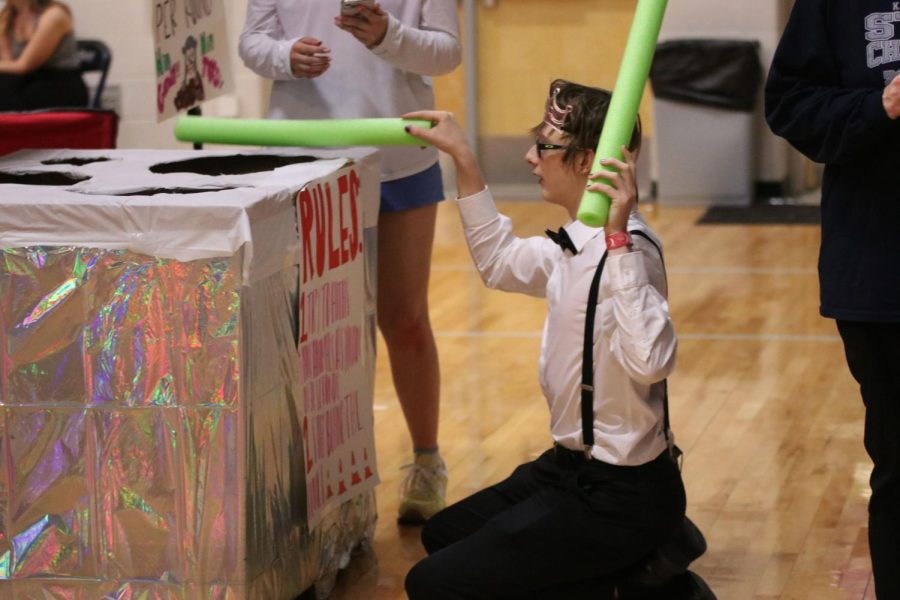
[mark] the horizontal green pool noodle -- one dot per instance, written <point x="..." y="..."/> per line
<point x="307" y="133"/>
<point x="625" y="102"/>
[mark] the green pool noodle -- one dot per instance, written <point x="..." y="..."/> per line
<point x="308" y="133"/>
<point x="626" y="99"/>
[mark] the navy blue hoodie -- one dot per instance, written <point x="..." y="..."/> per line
<point x="823" y="95"/>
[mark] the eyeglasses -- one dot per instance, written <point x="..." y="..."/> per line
<point x="542" y="146"/>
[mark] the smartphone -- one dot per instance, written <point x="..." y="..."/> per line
<point x="348" y="7"/>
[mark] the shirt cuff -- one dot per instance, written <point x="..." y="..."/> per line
<point x="390" y="45"/>
<point x="284" y="58"/>
<point x="627" y="271"/>
<point x="478" y="208"/>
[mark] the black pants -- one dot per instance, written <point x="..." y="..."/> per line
<point x="44" y="88"/>
<point x="558" y="528"/>
<point x="873" y="355"/>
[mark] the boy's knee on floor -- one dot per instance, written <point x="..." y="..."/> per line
<point x="435" y="535"/>
<point x="420" y="581"/>
<point x="433" y="578"/>
<point x="429" y="538"/>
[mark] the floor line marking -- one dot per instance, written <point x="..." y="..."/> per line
<point x="724" y="337"/>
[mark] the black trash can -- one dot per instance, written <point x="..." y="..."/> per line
<point x="705" y="94"/>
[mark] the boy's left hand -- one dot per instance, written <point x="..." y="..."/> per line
<point x="621" y="188"/>
<point x="445" y="134"/>
<point x="368" y="24"/>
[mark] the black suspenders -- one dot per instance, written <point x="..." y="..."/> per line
<point x="587" y="365"/>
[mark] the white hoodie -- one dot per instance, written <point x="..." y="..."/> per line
<point x="393" y="78"/>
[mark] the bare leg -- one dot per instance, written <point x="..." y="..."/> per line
<point x="405" y="240"/>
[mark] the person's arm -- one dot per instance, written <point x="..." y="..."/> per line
<point x="633" y="311"/>
<point x="431" y="48"/>
<point x="264" y="50"/>
<point x="635" y="321"/>
<point x="805" y="102"/>
<point x="504" y="261"/>
<point x="446" y="135"/>
<point x="618" y="180"/>
<point x="5" y="16"/>
<point x="262" y="46"/>
<point x="53" y="24"/>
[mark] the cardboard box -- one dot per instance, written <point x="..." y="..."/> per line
<point x="187" y="344"/>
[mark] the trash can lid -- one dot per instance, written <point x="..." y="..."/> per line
<point x="708" y="72"/>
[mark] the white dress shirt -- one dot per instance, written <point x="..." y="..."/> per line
<point x="392" y="78"/>
<point x="634" y="339"/>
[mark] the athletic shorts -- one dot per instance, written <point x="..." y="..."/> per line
<point x="420" y="189"/>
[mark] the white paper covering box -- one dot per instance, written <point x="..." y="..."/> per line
<point x="187" y="345"/>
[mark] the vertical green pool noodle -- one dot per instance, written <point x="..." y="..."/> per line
<point x="307" y="133"/>
<point x="626" y="99"/>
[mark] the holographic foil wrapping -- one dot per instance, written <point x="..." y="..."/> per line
<point x="149" y="442"/>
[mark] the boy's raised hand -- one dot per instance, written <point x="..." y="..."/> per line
<point x="446" y="135"/>
<point x="620" y="187"/>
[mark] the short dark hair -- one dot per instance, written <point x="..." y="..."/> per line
<point x="585" y="122"/>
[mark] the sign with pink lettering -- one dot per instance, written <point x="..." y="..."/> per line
<point x="337" y="422"/>
<point x="192" y="62"/>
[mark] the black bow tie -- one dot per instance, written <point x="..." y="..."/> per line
<point x="562" y="239"/>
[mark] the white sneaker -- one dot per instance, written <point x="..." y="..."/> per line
<point x="423" y="489"/>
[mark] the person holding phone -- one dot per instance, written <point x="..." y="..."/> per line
<point x="370" y="60"/>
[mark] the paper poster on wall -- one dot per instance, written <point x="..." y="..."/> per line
<point x="337" y="421"/>
<point x="192" y="63"/>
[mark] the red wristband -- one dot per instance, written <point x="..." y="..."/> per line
<point x="618" y="240"/>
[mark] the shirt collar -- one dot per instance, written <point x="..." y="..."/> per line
<point x="581" y="234"/>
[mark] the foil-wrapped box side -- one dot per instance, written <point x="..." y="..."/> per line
<point x="151" y="390"/>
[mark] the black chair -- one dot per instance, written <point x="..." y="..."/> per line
<point x="95" y="57"/>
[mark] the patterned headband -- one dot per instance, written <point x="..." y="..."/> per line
<point x="554" y="115"/>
